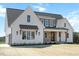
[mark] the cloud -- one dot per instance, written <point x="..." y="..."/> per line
<point x="2" y="34"/>
<point x="39" y="8"/>
<point x="2" y="11"/>
<point x="73" y="18"/>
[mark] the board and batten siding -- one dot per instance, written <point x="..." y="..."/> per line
<point x="22" y="19"/>
<point x="60" y="24"/>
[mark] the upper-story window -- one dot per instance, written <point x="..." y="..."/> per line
<point x="64" y="24"/>
<point x="46" y="22"/>
<point x="28" y="18"/>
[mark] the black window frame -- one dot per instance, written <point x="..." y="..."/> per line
<point x="28" y="18"/>
<point x="64" y="24"/>
<point x="23" y="35"/>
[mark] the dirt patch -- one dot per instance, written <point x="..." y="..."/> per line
<point x="51" y="50"/>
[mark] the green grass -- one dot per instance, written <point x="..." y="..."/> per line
<point x="2" y="40"/>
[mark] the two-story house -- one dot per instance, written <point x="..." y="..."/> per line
<point x="30" y="27"/>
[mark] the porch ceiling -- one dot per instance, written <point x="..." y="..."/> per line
<point x="55" y="29"/>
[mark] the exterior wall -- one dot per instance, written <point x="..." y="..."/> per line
<point x="62" y="39"/>
<point x="60" y="24"/>
<point x="50" y="20"/>
<point x="7" y="31"/>
<point x="22" y="19"/>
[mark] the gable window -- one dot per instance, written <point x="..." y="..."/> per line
<point x="28" y="18"/>
<point x="23" y="35"/>
<point x="64" y="24"/>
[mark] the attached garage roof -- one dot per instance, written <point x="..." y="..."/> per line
<point x="28" y="27"/>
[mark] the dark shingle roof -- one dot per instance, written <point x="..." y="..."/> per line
<point x="57" y="16"/>
<point x="28" y="27"/>
<point x="12" y="14"/>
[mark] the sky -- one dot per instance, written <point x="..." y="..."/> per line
<point x="67" y="10"/>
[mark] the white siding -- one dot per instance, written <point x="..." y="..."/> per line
<point x="23" y="20"/>
<point x="60" y="24"/>
<point x="7" y="31"/>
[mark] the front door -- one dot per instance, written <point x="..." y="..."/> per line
<point x="52" y="36"/>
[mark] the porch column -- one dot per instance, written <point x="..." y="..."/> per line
<point x="63" y="37"/>
<point x="57" y="36"/>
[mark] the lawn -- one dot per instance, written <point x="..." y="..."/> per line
<point x="42" y="50"/>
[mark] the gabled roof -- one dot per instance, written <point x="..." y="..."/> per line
<point x="12" y="14"/>
<point x="57" y="16"/>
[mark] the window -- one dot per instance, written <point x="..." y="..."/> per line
<point x="67" y="35"/>
<point x="54" y="23"/>
<point x="45" y="35"/>
<point x="33" y="35"/>
<point x="64" y="24"/>
<point x="16" y="32"/>
<point x="28" y="35"/>
<point x="59" y="34"/>
<point x="28" y="18"/>
<point x="23" y="35"/>
<point x="38" y="33"/>
<point x="46" y="22"/>
<point x="20" y="31"/>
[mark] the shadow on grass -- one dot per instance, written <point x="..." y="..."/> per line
<point x="33" y="46"/>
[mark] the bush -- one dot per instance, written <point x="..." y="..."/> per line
<point x="2" y="40"/>
<point x="76" y="37"/>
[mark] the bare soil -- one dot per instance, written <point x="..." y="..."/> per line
<point x="40" y="50"/>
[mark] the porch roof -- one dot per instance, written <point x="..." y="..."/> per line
<point x="28" y="27"/>
<point x="55" y="29"/>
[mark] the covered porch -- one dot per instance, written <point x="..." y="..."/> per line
<point x="55" y="35"/>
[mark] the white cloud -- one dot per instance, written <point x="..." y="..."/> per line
<point x="39" y="8"/>
<point x="2" y="34"/>
<point x="73" y="18"/>
<point x="2" y="15"/>
<point x="2" y="11"/>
